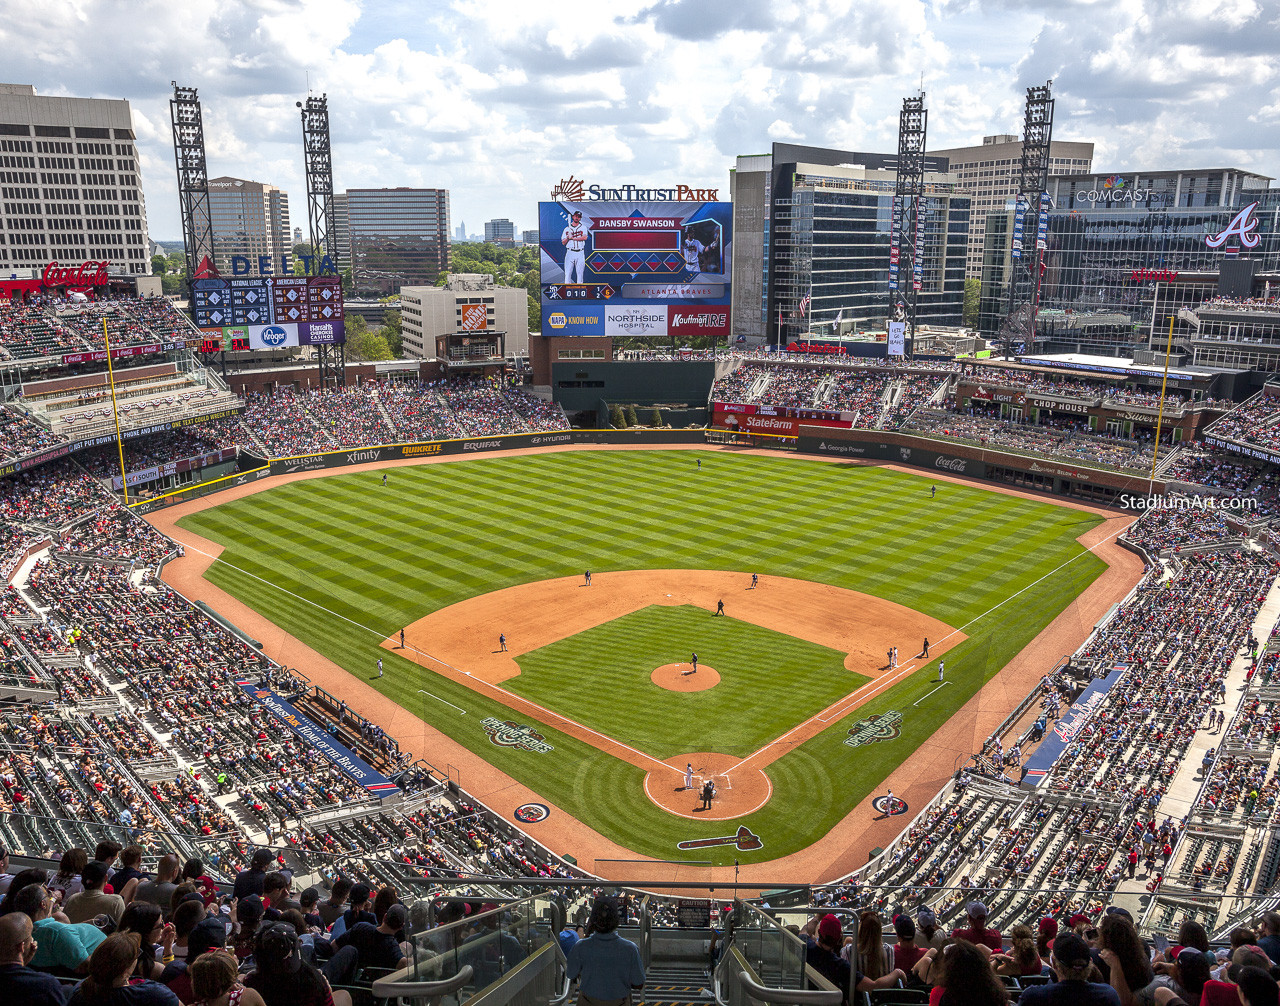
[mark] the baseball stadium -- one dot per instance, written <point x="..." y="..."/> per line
<point x="423" y="634"/>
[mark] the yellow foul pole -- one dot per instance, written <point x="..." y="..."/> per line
<point x="115" y="413"/>
<point x="1155" y="455"/>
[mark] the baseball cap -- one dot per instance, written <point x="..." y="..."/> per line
<point x="1071" y="950"/>
<point x="488" y="906"/>
<point x="904" y="927"/>
<point x="925" y="917"/>
<point x="977" y="910"/>
<point x="829" y="929"/>
<point x="210" y="933"/>
<point x="1076" y="919"/>
<point x="576" y="213"/>
<point x="276" y="946"/>
<point x="1245" y="957"/>
<point x="1117" y="910"/>
<point x="396" y="916"/>
<point x="249" y="909"/>
<point x="359" y="895"/>
<point x="1049" y="926"/>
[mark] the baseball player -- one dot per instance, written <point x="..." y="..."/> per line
<point x="402" y="639"/>
<point x="755" y="578"/>
<point x="925" y="651"/>
<point x="502" y="642"/>
<point x="942" y="667"/>
<point x="384" y="478"/>
<point x="693" y="252"/>
<point x="379" y="667"/>
<point x="688" y="776"/>
<point x="574" y="239"/>
<point x="720" y="607"/>
<point x="695" y="663"/>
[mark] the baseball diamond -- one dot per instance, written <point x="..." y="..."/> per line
<point x="852" y="559"/>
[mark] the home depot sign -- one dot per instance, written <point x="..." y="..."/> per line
<point x="475" y="318"/>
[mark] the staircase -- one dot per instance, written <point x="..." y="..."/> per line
<point x="676" y="984"/>
<point x="386" y="418"/>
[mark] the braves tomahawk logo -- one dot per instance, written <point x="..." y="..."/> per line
<point x="744" y="841"/>
<point x="1244" y="224"/>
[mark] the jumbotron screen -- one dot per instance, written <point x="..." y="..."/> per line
<point x="654" y="269"/>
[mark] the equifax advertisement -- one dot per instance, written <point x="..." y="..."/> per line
<point x="640" y="269"/>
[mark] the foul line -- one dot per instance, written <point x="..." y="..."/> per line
<point x="423" y="691"/>
<point x="929" y="692"/>
<point x="883" y="682"/>
<point x="516" y="700"/>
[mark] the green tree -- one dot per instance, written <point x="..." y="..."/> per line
<point x="655" y="418"/>
<point x="535" y="314"/>
<point x="363" y="343"/>
<point x="172" y="284"/>
<point x="158" y="265"/>
<point x="617" y="418"/>
<point x="176" y="262"/>
<point x="631" y="416"/>
<point x="972" y="295"/>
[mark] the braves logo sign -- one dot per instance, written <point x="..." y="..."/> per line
<point x="744" y="840"/>
<point x="1243" y="224"/>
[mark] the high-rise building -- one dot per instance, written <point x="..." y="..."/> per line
<point x="990" y="173"/>
<point x="469" y="305"/>
<point x="500" y="232"/>
<point x="340" y="231"/>
<point x="461" y="233"/>
<point x="399" y="237"/>
<point x="250" y="219"/>
<point x="811" y="243"/>
<point x="529" y="237"/>
<point x="69" y="184"/>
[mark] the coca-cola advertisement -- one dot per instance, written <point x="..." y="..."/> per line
<point x="86" y="274"/>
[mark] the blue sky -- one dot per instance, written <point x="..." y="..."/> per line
<point x="496" y="101"/>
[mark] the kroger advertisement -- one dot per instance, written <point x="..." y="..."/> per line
<point x="645" y="269"/>
<point x="271" y="312"/>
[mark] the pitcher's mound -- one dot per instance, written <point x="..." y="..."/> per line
<point x="679" y="677"/>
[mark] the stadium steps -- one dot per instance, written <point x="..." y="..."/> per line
<point x="676" y="984"/>
<point x="386" y="417"/>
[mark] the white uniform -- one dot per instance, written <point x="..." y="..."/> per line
<point x="693" y="248"/>
<point x="688" y="777"/>
<point x="574" y="238"/>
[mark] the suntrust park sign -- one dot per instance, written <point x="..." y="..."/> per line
<point x="575" y="190"/>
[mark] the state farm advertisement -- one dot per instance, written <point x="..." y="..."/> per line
<point x="779" y="426"/>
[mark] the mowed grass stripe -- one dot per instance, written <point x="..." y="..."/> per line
<point x="441" y="533"/>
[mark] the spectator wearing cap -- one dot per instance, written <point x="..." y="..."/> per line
<point x="824" y="955"/>
<point x="308" y="902"/>
<point x="1072" y="961"/>
<point x="1046" y="931"/>
<point x="376" y="944"/>
<point x="928" y="933"/>
<point x="208" y="934"/>
<point x="252" y="880"/>
<point x="977" y="932"/>
<point x="92" y="901"/>
<point x="1257" y="987"/>
<point x="359" y="909"/>
<point x="906" y="954"/>
<point x="283" y="978"/>
<point x="1224" y="990"/>
<point x="606" y="967"/>
<point x="1185" y="976"/>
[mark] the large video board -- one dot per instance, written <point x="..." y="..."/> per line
<point x="648" y="269"/>
<point x="268" y="312"/>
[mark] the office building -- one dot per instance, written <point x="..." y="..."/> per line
<point x="500" y="232"/>
<point x="250" y="219"/>
<point x="473" y="309"/>
<point x="990" y="173"/>
<point x="529" y="237"/>
<point x="69" y="184"/>
<point x="399" y="237"/>
<point x="340" y="231"/>
<point x="1127" y="251"/>
<point x="810" y="222"/>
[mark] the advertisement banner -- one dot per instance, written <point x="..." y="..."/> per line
<point x="757" y="424"/>
<point x="1068" y="727"/>
<point x="613" y="267"/>
<point x="321" y="333"/>
<point x="897" y="338"/>
<point x="635" y="320"/>
<point x="475" y="318"/>
<point x="100" y="355"/>
<point x="272" y="336"/>
<point x="983" y="393"/>
<point x="343" y="757"/>
<point x="174" y="467"/>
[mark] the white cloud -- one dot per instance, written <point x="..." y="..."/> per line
<point x="497" y="99"/>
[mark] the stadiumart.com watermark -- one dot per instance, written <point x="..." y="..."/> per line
<point x="1235" y="504"/>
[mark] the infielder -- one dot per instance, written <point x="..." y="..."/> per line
<point x="942" y="667"/>
<point x="574" y="239"/>
<point x="693" y="250"/>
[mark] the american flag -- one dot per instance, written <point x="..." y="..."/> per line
<point x="805" y="301"/>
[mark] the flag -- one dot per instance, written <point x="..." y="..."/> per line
<point x="805" y="301"/>
<point x="839" y="317"/>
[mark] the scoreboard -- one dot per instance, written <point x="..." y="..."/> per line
<point x="269" y="312"/>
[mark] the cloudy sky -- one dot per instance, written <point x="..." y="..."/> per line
<point x="498" y="99"/>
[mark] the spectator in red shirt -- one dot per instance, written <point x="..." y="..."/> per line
<point x="906" y="955"/>
<point x="977" y="933"/>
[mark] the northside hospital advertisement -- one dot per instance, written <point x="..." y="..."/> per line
<point x="635" y="268"/>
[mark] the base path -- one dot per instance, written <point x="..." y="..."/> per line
<point x="835" y="854"/>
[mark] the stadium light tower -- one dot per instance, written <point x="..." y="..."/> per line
<point x="1030" y="221"/>
<point x="906" y="244"/>
<point x="193" y="183"/>
<point x="317" y="152"/>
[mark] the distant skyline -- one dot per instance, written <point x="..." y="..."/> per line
<point x="498" y="101"/>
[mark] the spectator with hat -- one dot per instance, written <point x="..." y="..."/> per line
<point x="825" y="957"/>
<point x="1073" y="963"/>
<point x="977" y="932"/>
<point x="376" y="944"/>
<point x="283" y="978"/>
<point x="606" y="967"/>
<point x="929" y="933"/>
<point x="906" y="954"/>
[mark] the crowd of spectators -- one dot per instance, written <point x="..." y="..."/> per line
<point x="1254" y="423"/>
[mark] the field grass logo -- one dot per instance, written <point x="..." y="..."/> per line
<point x="744" y="840"/>
<point x="880" y="727"/>
<point x="532" y="813"/>
<point x="510" y="734"/>
<point x="890" y="806"/>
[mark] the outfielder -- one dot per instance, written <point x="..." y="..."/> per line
<point x="574" y="239"/>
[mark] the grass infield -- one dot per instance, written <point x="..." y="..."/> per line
<point x="342" y="562"/>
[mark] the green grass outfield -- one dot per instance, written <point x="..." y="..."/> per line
<point x="342" y="563"/>
<point x="769" y="682"/>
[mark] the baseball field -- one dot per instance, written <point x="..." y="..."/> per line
<point x="796" y="711"/>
